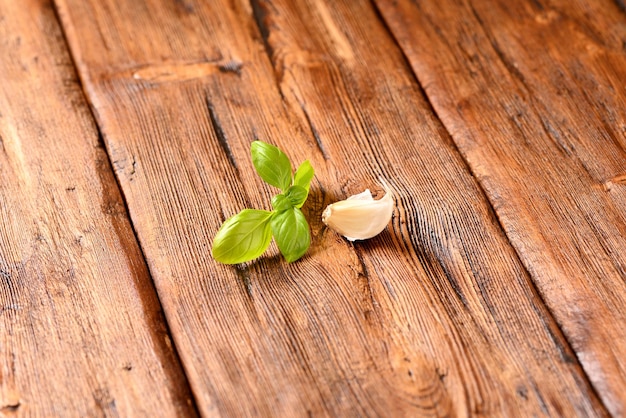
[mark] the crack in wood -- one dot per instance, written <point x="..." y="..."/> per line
<point x="232" y="66"/>
<point x="185" y="6"/>
<point x="316" y="135"/>
<point x="11" y="407"/>
<point x="244" y="274"/>
<point x="260" y="16"/>
<point x="220" y="134"/>
<point x="364" y="278"/>
<point x="621" y="4"/>
<point x="560" y="140"/>
<point x="454" y="283"/>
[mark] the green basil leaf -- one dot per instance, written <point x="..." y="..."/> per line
<point x="304" y="175"/>
<point x="243" y="237"/>
<point x="291" y="232"/>
<point x="281" y="203"/>
<point x="272" y="164"/>
<point x="296" y="195"/>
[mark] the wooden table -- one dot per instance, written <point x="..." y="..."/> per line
<point x="498" y="288"/>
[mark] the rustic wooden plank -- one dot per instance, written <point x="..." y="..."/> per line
<point x="533" y="94"/>
<point x="81" y="329"/>
<point x="417" y="321"/>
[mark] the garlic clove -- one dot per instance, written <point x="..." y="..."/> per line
<point x="360" y="216"/>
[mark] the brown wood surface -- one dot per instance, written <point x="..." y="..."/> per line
<point x="498" y="288"/>
<point x="81" y="328"/>
<point x="534" y="97"/>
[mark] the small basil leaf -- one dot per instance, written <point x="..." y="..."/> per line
<point x="272" y="164"/>
<point x="291" y="232"/>
<point x="304" y="175"/>
<point x="243" y="237"/>
<point x="280" y="202"/>
<point x="296" y="195"/>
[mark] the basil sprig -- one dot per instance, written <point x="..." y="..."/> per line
<point x="246" y="235"/>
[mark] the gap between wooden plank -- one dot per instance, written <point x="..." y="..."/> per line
<point x="124" y="200"/>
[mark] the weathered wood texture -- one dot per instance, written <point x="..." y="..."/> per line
<point x="81" y="329"/>
<point x="533" y="94"/>
<point x="417" y="321"/>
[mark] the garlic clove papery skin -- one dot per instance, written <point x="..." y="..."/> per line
<point x="360" y="216"/>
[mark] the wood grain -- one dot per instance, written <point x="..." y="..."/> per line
<point x="533" y="94"/>
<point x="417" y="321"/>
<point x="81" y="329"/>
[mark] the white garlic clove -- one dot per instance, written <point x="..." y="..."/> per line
<point x="360" y="216"/>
